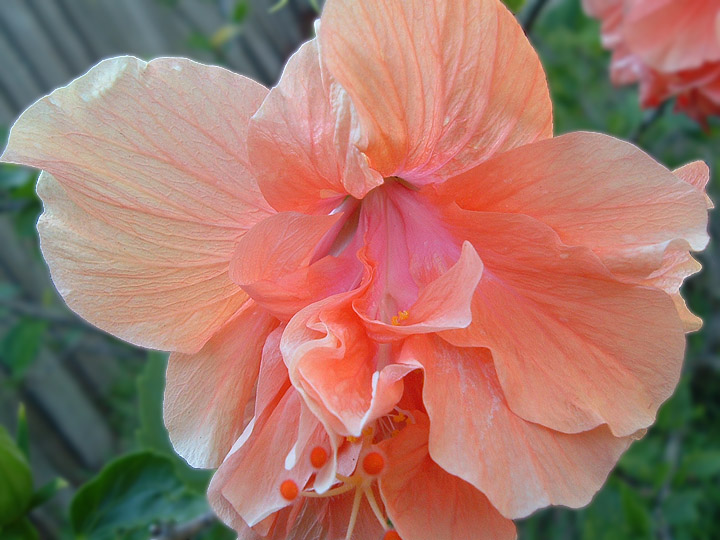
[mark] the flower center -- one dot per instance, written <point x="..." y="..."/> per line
<point x="371" y="466"/>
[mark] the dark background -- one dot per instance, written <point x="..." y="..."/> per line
<point x="90" y="399"/>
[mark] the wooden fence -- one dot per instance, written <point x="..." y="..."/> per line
<point x="45" y="44"/>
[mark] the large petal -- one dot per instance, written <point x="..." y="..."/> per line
<point x="207" y="392"/>
<point x="610" y="13"/>
<point x="519" y="465"/>
<point x="673" y="36"/>
<point x="438" y="86"/>
<point x="151" y="193"/>
<point x="594" y="191"/>
<point x="424" y="502"/>
<point x="300" y="140"/>
<point x="573" y="346"/>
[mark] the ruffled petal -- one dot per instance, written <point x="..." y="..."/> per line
<point x="150" y="194"/>
<point x="594" y="191"/>
<point x="347" y="379"/>
<point x="519" y="465"/>
<point x="424" y="502"/>
<point x="438" y="86"/>
<point x="697" y="174"/>
<point x="281" y="262"/>
<point x="207" y="392"/>
<point x="574" y="347"/>
<point x="677" y="263"/>
<point x="300" y="140"/>
<point x="441" y="305"/>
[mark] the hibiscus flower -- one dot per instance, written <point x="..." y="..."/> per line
<point x="397" y="305"/>
<point x="672" y="49"/>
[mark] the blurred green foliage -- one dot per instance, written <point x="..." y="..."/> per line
<point x="151" y="487"/>
<point x="16" y="479"/>
<point x="514" y="5"/>
<point x="129" y="495"/>
<point x="18" y="496"/>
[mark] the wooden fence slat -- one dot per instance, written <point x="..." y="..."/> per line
<point x="57" y="392"/>
<point x="36" y="49"/>
<point x="20" y="85"/>
<point x="60" y="39"/>
<point x="64" y="39"/>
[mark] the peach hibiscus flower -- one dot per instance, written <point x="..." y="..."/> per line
<point x="672" y="49"/>
<point x="396" y="304"/>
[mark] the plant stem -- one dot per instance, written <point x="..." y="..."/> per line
<point x="649" y="119"/>
<point x="532" y="15"/>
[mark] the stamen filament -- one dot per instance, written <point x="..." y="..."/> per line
<point x="353" y="516"/>
<point x="376" y="508"/>
<point x="329" y="493"/>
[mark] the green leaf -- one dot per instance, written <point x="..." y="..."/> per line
<point x="12" y="176"/>
<point x="8" y="291"/>
<point x="152" y="434"/>
<point x="21" y="346"/>
<point x="637" y="513"/>
<point x="678" y="410"/>
<point x="129" y="495"/>
<point x="514" y="5"/>
<point x="277" y="7"/>
<point x="47" y="492"/>
<point x="16" y="480"/>
<point x="200" y="41"/>
<point x="702" y="464"/>
<point x="240" y="11"/>
<point x="224" y="35"/>
<point x="682" y="508"/>
<point x="22" y="435"/>
<point x="22" y="529"/>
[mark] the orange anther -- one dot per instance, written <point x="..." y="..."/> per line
<point x="373" y="463"/>
<point x="289" y="490"/>
<point x="392" y="535"/>
<point x="401" y="316"/>
<point x="318" y="457"/>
